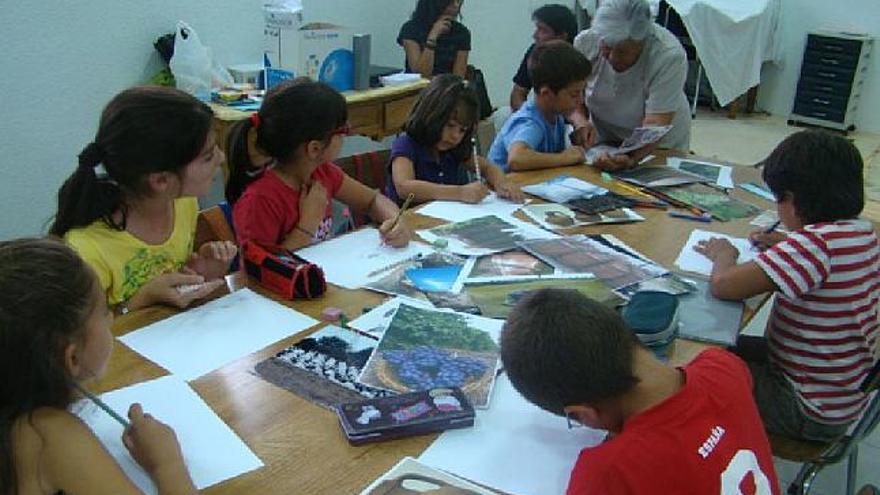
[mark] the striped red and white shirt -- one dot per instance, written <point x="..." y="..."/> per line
<point x="823" y="328"/>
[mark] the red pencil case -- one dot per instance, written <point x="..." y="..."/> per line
<point x="280" y="271"/>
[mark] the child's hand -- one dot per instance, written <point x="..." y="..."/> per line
<point x="313" y="204"/>
<point x="213" y="258"/>
<point x="509" y="190"/>
<point x="151" y="443"/>
<point x="440" y="27"/>
<point x="717" y="249"/>
<point x="573" y="155"/>
<point x="473" y="192"/>
<point x="397" y="237"/>
<point x="762" y="240"/>
<point x="162" y="289"/>
<point x="613" y="163"/>
<point x="584" y="136"/>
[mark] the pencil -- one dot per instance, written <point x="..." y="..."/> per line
<point x="628" y="188"/>
<point x="771" y="228"/>
<point x="402" y="210"/>
<point x="98" y="402"/>
<point x="476" y="162"/>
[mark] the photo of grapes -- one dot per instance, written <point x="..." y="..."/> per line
<point x="424" y="348"/>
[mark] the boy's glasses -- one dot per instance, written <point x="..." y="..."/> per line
<point x="572" y="421"/>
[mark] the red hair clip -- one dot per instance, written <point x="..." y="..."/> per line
<point x="255" y="120"/>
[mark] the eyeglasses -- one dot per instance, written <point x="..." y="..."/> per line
<point x="572" y="421"/>
<point x="343" y="130"/>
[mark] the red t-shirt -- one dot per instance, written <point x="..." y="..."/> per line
<point x="707" y="438"/>
<point x="269" y="208"/>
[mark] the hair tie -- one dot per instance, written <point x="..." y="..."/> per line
<point x="255" y="120"/>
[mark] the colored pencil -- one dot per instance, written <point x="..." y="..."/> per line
<point x="101" y="404"/>
<point x="771" y="228"/>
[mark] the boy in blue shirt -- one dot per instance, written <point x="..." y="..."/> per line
<point x="534" y="136"/>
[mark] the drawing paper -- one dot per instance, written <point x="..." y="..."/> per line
<point x="691" y="261"/>
<point x="456" y="211"/>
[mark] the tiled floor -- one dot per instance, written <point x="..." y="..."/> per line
<point x="748" y="140"/>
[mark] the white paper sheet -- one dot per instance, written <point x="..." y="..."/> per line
<point x="514" y="446"/>
<point x="692" y="261"/>
<point x="357" y="258"/>
<point x="205" y="338"/>
<point x="456" y="211"/>
<point x="211" y="450"/>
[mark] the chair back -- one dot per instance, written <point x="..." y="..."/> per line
<point x="371" y="170"/>
<point x="865" y="425"/>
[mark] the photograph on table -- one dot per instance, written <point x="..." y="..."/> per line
<point x="483" y="235"/>
<point x="515" y="263"/>
<point x="423" y="349"/>
<point x="553" y="216"/>
<point x="580" y="254"/>
<point x="563" y="188"/>
<point x="496" y="300"/>
<point x="324" y="367"/>
<point x="435" y="272"/>
<point x="721" y="175"/>
<point x="669" y="283"/>
<point x="720" y="205"/>
<point x="656" y="176"/>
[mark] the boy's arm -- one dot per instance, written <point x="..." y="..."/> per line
<point x="730" y="280"/>
<point x="496" y="178"/>
<point x="521" y="157"/>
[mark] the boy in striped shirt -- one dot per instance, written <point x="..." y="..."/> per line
<point x="822" y="332"/>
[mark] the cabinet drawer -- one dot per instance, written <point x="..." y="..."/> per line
<point x="822" y="86"/>
<point x="826" y="73"/>
<point x="833" y="45"/>
<point x="365" y="119"/>
<point x="817" y="112"/>
<point x="396" y="113"/>
<point x="831" y="59"/>
<point x="820" y="100"/>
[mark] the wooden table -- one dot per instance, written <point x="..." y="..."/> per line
<point x="301" y="444"/>
<point x="374" y="112"/>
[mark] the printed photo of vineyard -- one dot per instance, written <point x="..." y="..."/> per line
<point x="424" y="349"/>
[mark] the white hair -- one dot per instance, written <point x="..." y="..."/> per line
<point x="617" y="21"/>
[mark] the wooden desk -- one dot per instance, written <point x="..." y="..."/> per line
<point x="375" y="112"/>
<point x="301" y="443"/>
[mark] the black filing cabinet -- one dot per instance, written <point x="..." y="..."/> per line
<point x="832" y="79"/>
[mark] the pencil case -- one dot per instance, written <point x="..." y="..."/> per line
<point x="653" y="317"/>
<point x="282" y="272"/>
<point x="415" y="413"/>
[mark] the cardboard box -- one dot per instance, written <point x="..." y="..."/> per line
<point x="320" y="51"/>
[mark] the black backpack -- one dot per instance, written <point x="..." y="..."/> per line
<point x="475" y="78"/>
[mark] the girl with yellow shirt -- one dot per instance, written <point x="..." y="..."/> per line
<point x="130" y="210"/>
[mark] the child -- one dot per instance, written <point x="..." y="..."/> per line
<point x="130" y="210"/>
<point x="56" y="333"/>
<point x="434" y="41"/>
<point x="534" y="136"/>
<point x="427" y="159"/>
<point x="552" y="22"/>
<point x="688" y="430"/>
<point x="822" y="332"/>
<point x="301" y="128"/>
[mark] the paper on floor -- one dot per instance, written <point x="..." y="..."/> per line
<point x="202" y="339"/>
<point x="692" y="261"/>
<point x="211" y="450"/>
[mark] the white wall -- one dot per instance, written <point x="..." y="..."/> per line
<point x="799" y="17"/>
<point x="62" y="61"/>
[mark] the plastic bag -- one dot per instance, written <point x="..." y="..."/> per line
<point x="193" y="66"/>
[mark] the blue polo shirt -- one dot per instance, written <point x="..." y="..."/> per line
<point x="445" y="170"/>
<point x="529" y="126"/>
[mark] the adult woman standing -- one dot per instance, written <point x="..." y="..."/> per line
<point x="639" y="70"/>
<point x="433" y="39"/>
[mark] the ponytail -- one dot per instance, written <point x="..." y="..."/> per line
<point x="239" y="159"/>
<point x="142" y="130"/>
<point x="87" y="195"/>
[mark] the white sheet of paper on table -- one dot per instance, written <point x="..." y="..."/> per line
<point x="692" y="261"/>
<point x="456" y="211"/>
<point x="211" y="450"/>
<point x="501" y="449"/>
<point x="199" y="340"/>
<point x="357" y="258"/>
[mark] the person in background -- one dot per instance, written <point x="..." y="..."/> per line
<point x="56" y="339"/>
<point x="822" y="333"/>
<point x="431" y="158"/>
<point x="638" y="76"/>
<point x="534" y="136"/>
<point x="130" y="207"/>
<point x="301" y="128"/>
<point x="675" y="431"/>
<point x="552" y="22"/>
<point x="434" y="41"/>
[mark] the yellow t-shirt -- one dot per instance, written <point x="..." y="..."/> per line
<point x="123" y="262"/>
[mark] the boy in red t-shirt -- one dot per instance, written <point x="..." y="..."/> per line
<point x="672" y="430"/>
